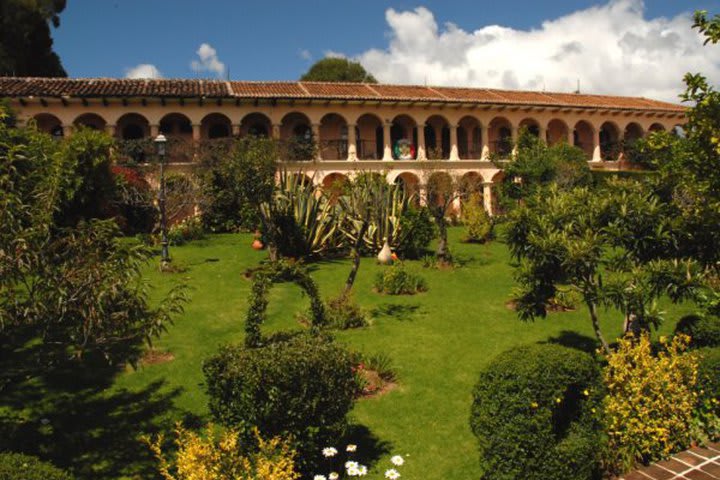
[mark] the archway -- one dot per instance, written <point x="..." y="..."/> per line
<point x="179" y="132"/>
<point x="49" y="124"/>
<point x="469" y="138"/>
<point x="583" y="137"/>
<point x="410" y="184"/>
<point x="657" y="127"/>
<point x="557" y="132"/>
<point x="215" y="126"/>
<point x="297" y="137"/>
<point x="532" y="126"/>
<point x="92" y="121"/>
<point x="633" y="133"/>
<point x="369" y="137"/>
<point x="255" y="124"/>
<point x="609" y="141"/>
<point x="333" y="137"/>
<point x="437" y="138"/>
<point x="133" y="126"/>
<point x="403" y="138"/>
<point x="500" y="136"/>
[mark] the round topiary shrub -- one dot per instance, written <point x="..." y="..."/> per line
<point x="704" y="331"/>
<point x="535" y="415"/>
<point x="302" y="387"/>
<point x="16" y="466"/>
<point x="397" y="280"/>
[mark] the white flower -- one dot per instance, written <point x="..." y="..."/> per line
<point x="397" y="460"/>
<point x="392" y="474"/>
<point x="329" y="452"/>
<point x="351" y="464"/>
<point x="319" y="477"/>
<point x="351" y="448"/>
<point x="354" y="469"/>
<point x="334" y="476"/>
<point x="362" y="470"/>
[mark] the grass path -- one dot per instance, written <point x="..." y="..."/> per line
<point x="438" y="340"/>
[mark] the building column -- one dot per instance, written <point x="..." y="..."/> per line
<point x="597" y="154"/>
<point x="454" y="143"/>
<point x="514" y="139"/>
<point x="620" y="143"/>
<point x="236" y="130"/>
<point x="542" y="132"/>
<point x="422" y="195"/>
<point x="387" y="148"/>
<point x="571" y="136"/>
<point x="276" y="131"/>
<point x="316" y="139"/>
<point x="109" y="129"/>
<point x="487" y="197"/>
<point x="420" y="154"/>
<point x="485" y="143"/>
<point x="154" y="130"/>
<point x="352" y="142"/>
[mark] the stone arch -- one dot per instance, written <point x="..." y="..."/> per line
<point x="440" y="188"/>
<point x="410" y="184"/>
<point x="277" y="272"/>
<point x="90" y="120"/>
<point x="333" y="178"/>
<point x="49" y="124"/>
<point x="133" y="126"/>
<point x="369" y="137"/>
<point x="437" y="137"/>
<point x="297" y="136"/>
<point x="656" y="127"/>
<point x="557" y="131"/>
<point x="583" y="137"/>
<point x="609" y="141"/>
<point x="333" y="137"/>
<point x="215" y="126"/>
<point x="469" y="138"/>
<point x="256" y="124"/>
<point x="178" y="130"/>
<point x="471" y="182"/>
<point x="633" y="132"/>
<point x="531" y="125"/>
<point x="403" y="127"/>
<point x="500" y="136"/>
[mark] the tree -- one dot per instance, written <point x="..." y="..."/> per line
<point x="337" y="70"/>
<point x="25" y="42"/>
<point x="72" y="284"/>
<point x="613" y="247"/>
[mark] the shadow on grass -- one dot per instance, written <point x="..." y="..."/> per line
<point x="65" y="412"/>
<point x="575" y="340"/>
<point x="398" y="311"/>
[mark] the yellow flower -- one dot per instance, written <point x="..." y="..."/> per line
<point x="558" y="400"/>
<point x="586" y="393"/>
<point x="534" y="405"/>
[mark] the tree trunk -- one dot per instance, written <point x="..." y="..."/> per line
<point x="596" y="326"/>
<point x="356" y="259"/>
<point x="442" y="248"/>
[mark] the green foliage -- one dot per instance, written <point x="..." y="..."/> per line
<point x="708" y="391"/>
<point x="135" y="212"/>
<point x="418" y="229"/>
<point x="186" y="231"/>
<point x="710" y="28"/>
<point x="76" y="285"/>
<point x="703" y="330"/>
<point x="16" y="466"/>
<point x="343" y="312"/>
<point x="337" y="70"/>
<point x="534" y="414"/>
<point x="236" y="178"/>
<point x="651" y="400"/>
<point x="537" y="165"/>
<point x="25" y="41"/>
<point x="303" y="387"/>
<point x="397" y="280"/>
<point x="478" y="223"/>
<point x="382" y="364"/>
<point x="275" y="272"/>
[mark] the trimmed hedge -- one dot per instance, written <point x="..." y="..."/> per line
<point x="303" y="387"/>
<point x="535" y="415"/>
<point x="17" y="466"/>
<point x="704" y="331"/>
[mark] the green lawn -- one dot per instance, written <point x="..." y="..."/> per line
<point x="439" y="340"/>
<point x="90" y="420"/>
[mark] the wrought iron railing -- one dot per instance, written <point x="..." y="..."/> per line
<point x="334" y="149"/>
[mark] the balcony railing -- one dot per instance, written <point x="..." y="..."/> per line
<point x="502" y="147"/>
<point x="334" y="149"/>
<point x="368" y="150"/>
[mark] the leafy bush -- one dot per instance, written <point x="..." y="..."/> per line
<point x="383" y="365"/>
<point x="343" y="312"/>
<point x="396" y="280"/>
<point x="534" y="415"/>
<point x="418" y="229"/>
<point x="188" y="230"/>
<point x="703" y="330"/>
<point x="649" y="408"/>
<point x="478" y="223"/>
<point x="708" y="390"/>
<point x="224" y="458"/>
<point x="16" y="466"/>
<point x="135" y="212"/>
<point x="303" y="387"/>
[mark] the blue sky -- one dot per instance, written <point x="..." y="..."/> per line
<point x="279" y="40"/>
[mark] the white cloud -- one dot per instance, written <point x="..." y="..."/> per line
<point x="334" y="54"/>
<point x="305" y="54"/>
<point x="610" y="48"/>
<point x="144" y="70"/>
<point x="209" y="61"/>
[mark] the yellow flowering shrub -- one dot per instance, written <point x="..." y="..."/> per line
<point x="207" y="458"/>
<point x="650" y="401"/>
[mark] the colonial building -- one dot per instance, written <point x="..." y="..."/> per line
<point x="403" y="131"/>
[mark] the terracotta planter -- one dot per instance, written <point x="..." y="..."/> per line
<point x="257" y="244"/>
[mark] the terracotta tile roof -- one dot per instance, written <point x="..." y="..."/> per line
<point x="189" y="88"/>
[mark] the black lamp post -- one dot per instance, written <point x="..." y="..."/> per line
<point x="160" y="143"/>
